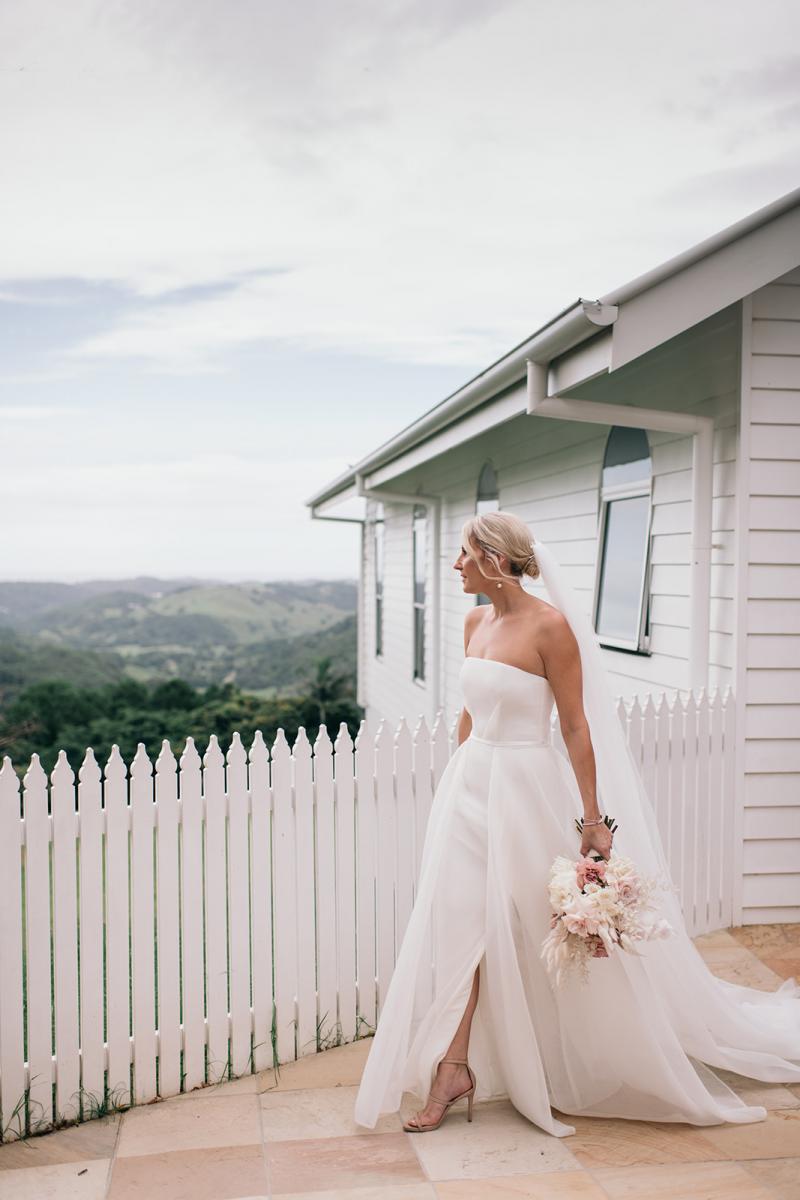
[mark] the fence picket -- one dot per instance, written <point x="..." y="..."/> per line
<point x="344" y="783"/>
<point x="261" y="901"/>
<point x="118" y="1011"/>
<point x="366" y="871"/>
<point x="325" y="894"/>
<point x="387" y="856"/>
<point x="90" y="849"/>
<point x="214" y="806"/>
<point x="142" y="924"/>
<point x="404" y="791"/>
<point x="65" y="939"/>
<point x="304" y="848"/>
<point x="12" y="1058"/>
<point x="168" y="953"/>
<point x="192" y="981"/>
<point x="284" y="901"/>
<point x="37" y="941"/>
<point x="239" y="906"/>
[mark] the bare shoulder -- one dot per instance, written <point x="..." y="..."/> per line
<point x="472" y="619"/>
<point x="554" y="629"/>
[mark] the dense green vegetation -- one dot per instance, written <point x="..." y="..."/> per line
<point x="55" y="714"/>
<point x="107" y="662"/>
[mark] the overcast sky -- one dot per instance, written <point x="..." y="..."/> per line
<point x="244" y="242"/>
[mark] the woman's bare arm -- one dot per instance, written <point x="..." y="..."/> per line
<point x="561" y="656"/>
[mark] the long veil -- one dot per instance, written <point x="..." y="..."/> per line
<point x="742" y="1029"/>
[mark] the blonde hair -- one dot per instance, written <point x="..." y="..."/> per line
<point x="499" y="533"/>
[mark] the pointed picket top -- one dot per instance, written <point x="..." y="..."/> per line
<point x="9" y="783"/>
<point x="363" y="734"/>
<point x="384" y="736"/>
<point x="213" y="756"/>
<point x="344" y="742"/>
<point x="302" y="746"/>
<point x="237" y="755"/>
<point x="115" y="767"/>
<point x="62" y="772"/>
<point x="691" y="704"/>
<point x="649" y="706"/>
<point x="190" y="757"/>
<point x="35" y="774"/>
<point x="259" y="752"/>
<point x="402" y="737"/>
<point x="89" y="770"/>
<point x="141" y="767"/>
<point x="322" y="742"/>
<point x="421" y="731"/>
<point x="439" y="733"/>
<point x="166" y="759"/>
<point x="280" y="747"/>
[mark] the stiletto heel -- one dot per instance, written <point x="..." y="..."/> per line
<point x="469" y="1094"/>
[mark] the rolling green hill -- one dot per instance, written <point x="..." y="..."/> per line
<point x="261" y="636"/>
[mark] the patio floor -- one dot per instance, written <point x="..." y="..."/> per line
<point x="262" y="1137"/>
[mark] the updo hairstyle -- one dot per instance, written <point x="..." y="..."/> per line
<point x="498" y="533"/>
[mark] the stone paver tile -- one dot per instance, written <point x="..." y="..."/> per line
<point x="341" y="1066"/>
<point x="614" y="1142"/>
<point x="90" y="1139"/>
<point x="245" y="1085"/>
<point x="772" y="938"/>
<point x="719" y="938"/>
<point x="777" y="1137"/>
<point x="749" y="971"/>
<point x="682" y="1181"/>
<point x="552" y="1185"/>
<point x="219" y="1173"/>
<point x="366" y="1160"/>
<point x="73" y="1180"/>
<point x="782" y="1175"/>
<point x="317" y="1113"/>
<point x="785" y="967"/>
<point x="499" y="1141"/>
<point x="190" y="1124"/>
<point x="757" y="1091"/>
<point x="392" y="1191"/>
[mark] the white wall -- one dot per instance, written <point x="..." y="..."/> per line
<point x="549" y="472"/>
<point x="769" y="687"/>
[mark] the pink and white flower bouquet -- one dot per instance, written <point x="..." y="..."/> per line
<point x="598" y="906"/>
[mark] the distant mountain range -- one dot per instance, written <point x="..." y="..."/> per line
<point x="264" y="637"/>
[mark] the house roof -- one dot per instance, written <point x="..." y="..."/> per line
<point x="643" y="312"/>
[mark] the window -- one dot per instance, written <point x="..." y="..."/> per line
<point x="487" y="500"/>
<point x="624" y="532"/>
<point x="378" y="535"/>
<point x="420" y="522"/>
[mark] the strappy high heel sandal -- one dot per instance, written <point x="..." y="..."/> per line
<point x="469" y="1093"/>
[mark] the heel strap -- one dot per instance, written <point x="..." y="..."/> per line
<point x="460" y="1061"/>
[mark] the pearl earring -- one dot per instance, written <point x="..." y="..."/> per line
<point x="499" y="585"/>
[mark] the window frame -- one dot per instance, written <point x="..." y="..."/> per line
<point x="609" y="493"/>
<point x="419" y="515"/>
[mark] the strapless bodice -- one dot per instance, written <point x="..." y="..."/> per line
<point x="507" y="705"/>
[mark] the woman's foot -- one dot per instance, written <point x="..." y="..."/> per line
<point x="451" y="1080"/>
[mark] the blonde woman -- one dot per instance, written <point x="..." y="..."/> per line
<point x="639" y="1040"/>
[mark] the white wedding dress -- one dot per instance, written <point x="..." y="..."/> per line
<point x="634" y="1040"/>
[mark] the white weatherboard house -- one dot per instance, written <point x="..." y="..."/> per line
<point x="652" y="439"/>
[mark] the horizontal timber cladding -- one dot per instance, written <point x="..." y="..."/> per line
<point x="549" y="472"/>
<point x="769" y="705"/>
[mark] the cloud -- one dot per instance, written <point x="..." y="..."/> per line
<point x="408" y="181"/>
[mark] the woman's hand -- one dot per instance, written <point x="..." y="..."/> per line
<point x="597" y="838"/>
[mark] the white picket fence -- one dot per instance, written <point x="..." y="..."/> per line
<point x="163" y="929"/>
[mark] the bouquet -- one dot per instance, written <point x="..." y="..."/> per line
<point x="597" y="906"/>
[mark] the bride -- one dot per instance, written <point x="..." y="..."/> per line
<point x="640" y="1039"/>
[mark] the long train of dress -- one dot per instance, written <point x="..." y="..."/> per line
<point x="634" y="1042"/>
